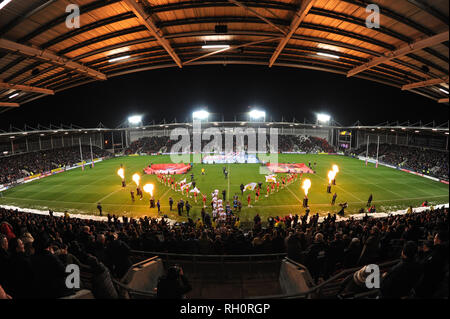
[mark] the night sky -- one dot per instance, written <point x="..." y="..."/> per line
<point x="227" y="91"/>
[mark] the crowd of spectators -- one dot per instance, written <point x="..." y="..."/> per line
<point x="150" y="145"/>
<point x="18" y="166"/>
<point x="286" y="143"/>
<point x="425" y="161"/>
<point x="35" y="248"/>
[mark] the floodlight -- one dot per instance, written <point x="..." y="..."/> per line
<point x="4" y="3"/>
<point x="323" y="118"/>
<point x="200" y="115"/>
<point x="14" y="95"/>
<point x="328" y="55"/>
<point x="118" y="59"/>
<point x="257" y="114"/>
<point x="135" y="119"/>
<point x="215" y="46"/>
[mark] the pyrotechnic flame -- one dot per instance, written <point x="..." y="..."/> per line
<point x="137" y="179"/>
<point x="336" y="168"/>
<point x="331" y="176"/>
<point x="148" y="188"/>
<point x="121" y="173"/>
<point x="306" y="186"/>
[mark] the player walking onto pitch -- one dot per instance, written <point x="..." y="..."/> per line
<point x="100" y="209"/>
<point x="333" y="201"/>
<point x="369" y="201"/>
<point x="132" y="196"/>
<point x="249" y="200"/>
<point x="204" y="200"/>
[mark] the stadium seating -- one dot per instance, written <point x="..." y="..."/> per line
<point x="286" y="143"/>
<point x="18" y="166"/>
<point x="425" y="161"/>
<point x="104" y="250"/>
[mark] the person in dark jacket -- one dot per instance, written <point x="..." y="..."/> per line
<point x="399" y="281"/>
<point x="102" y="285"/>
<point x="316" y="256"/>
<point x="174" y="285"/>
<point x="49" y="272"/>
<point x="293" y="247"/>
<point x="119" y="255"/>
<point x="20" y="271"/>
<point x="352" y="253"/>
<point x="4" y="257"/>
<point x="434" y="262"/>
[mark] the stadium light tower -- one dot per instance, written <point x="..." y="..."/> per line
<point x="135" y="120"/>
<point x="256" y="115"/>
<point x="201" y="115"/>
<point x="323" y="118"/>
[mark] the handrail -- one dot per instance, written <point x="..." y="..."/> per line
<point x="208" y="256"/>
<point x="317" y="287"/>
<point x="134" y="291"/>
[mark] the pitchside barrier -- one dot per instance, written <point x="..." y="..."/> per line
<point x="373" y="161"/>
<point x="49" y="173"/>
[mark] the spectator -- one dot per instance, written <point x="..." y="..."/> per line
<point x="174" y="285"/>
<point x="398" y="282"/>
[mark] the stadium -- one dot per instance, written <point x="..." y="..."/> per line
<point x="229" y="203"/>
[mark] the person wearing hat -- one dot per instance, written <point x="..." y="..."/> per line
<point x="398" y="282"/>
<point x="355" y="283"/>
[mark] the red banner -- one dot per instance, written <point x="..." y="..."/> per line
<point x="289" y="168"/>
<point x="167" y="169"/>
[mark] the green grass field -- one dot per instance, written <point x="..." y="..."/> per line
<point x="79" y="191"/>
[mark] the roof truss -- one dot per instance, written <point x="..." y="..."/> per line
<point x="50" y="57"/>
<point x="426" y="83"/>
<point x="299" y="16"/>
<point x="404" y="50"/>
<point x="147" y="20"/>
<point x="6" y="104"/>
<point x="25" y="88"/>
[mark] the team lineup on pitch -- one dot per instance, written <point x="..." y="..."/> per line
<point x="80" y="191"/>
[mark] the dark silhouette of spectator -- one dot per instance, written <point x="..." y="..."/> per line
<point x="174" y="285"/>
<point x="398" y="282"/>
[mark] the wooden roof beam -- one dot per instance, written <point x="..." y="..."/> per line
<point x="148" y="22"/>
<point x="50" y="57"/>
<point x="231" y="48"/>
<point x="7" y="104"/>
<point x="404" y="50"/>
<point x="263" y="18"/>
<point x="299" y="17"/>
<point x="26" y="88"/>
<point x="426" y="83"/>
